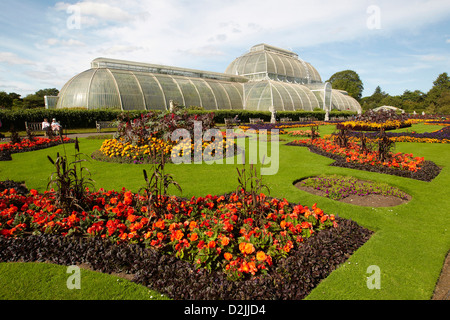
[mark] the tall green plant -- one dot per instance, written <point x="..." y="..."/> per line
<point x="70" y="180"/>
<point x="250" y="188"/>
<point x="157" y="186"/>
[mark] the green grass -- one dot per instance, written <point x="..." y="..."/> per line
<point x="43" y="281"/>
<point x="409" y="244"/>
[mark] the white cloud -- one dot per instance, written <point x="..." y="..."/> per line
<point x="119" y="49"/>
<point x="12" y="58"/>
<point x="64" y="43"/>
<point x="93" y="13"/>
<point x="209" y="34"/>
<point x="432" y="57"/>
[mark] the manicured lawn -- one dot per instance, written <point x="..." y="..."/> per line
<point x="410" y="240"/>
<point x="42" y="281"/>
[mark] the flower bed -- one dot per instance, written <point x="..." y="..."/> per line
<point x="400" y="164"/>
<point x="439" y="136"/>
<point x="201" y="243"/>
<point x="117" y="150"/>
<point x="339" y="187"/>
<point x="376" y="121"/>
<point x="281" y="126"/>
<point x="208" y="231"/>
<point x="374" y="126"/>
<point x="303" y="133"/>
<point x="31" y="145"/>
<point x="440" y="122"/>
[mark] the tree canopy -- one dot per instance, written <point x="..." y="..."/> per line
<point x="35" y="100"/>
<point x="349" y="81"/>
<point x="436" y="100"/>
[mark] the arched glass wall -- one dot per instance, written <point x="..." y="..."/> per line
<point x="264" y="77"/>
<point x="262" y="95"/>
<point x="135" y="90"/>
<point x="267" y="62"/>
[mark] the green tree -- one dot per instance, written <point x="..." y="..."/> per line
<point x="437" y="97"/>
<point x="47" y="92"/>
<point x="375" y="100"/>
<point x="444" y="103"/>
<point x="33" y="101"/>
<point x="349" y="81"/>
<point x="5" y="100"/>
<point x="36" y="100"/>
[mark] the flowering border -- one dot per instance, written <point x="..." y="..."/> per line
<point x="36" y="144"/>
<point x="427" y="171"/>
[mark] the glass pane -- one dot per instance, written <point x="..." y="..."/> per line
<point x="74" y="92"/>
<point x="236" y="92"/>
<point x="170" y="89"/>
<point x="253" y="95"/>
<point x="208" y="101"/>
<point x="223" y="102"/>
<point x="103" y="91"/>
<point x="190" y="94"/>
<point x="130" y="91"/>
<point x="154" y="98"/>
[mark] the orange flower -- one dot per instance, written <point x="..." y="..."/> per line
<point x="260" y="256"/>
<point x="160" y="224"/>
<point x="211" y="244"/>
<point x="305" y="225"/>
<point x="228" y="256"/>
<point x="288" y="246"/>
<point x="132" y="218"/>
<point x="225" y="241"/>
<point x="123" y="236"/>
<point x="193" y="237"/>
<point x="192" y="225"/>
<point x="248" y="267"/>
<point x="246" y="248"/>
<point x="177" y="235"/>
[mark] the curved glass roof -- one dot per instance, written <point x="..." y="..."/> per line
<point x="264" y="77"/>
<point x="268" y="62"/>
<point x="262" y="95"/>
<point x="136" y="90"/>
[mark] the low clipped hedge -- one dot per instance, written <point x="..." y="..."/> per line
<point x="69" y="118"/>
<point x="75" y="118"/>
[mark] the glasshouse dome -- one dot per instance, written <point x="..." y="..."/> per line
<point x="265" y="77"/>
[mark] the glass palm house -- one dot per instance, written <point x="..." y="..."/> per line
<point x="265" y="77"/>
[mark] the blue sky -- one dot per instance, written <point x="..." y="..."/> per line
<point x="398" y="45"/>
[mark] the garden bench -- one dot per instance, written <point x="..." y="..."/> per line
<point x="33" y="126"/>
<point x="285" y="119"/>
<point x="105" y="124"/>
<point x="255" y="120"/>
<point x="307" y="119"/>
<point x="231" y="122"/>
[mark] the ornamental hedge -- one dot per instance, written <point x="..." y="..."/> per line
<point x="74" y="118"/>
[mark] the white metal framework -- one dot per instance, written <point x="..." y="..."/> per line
<point x="260" y="79"/>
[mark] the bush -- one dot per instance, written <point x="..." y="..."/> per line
<point x="82" y="118"/>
